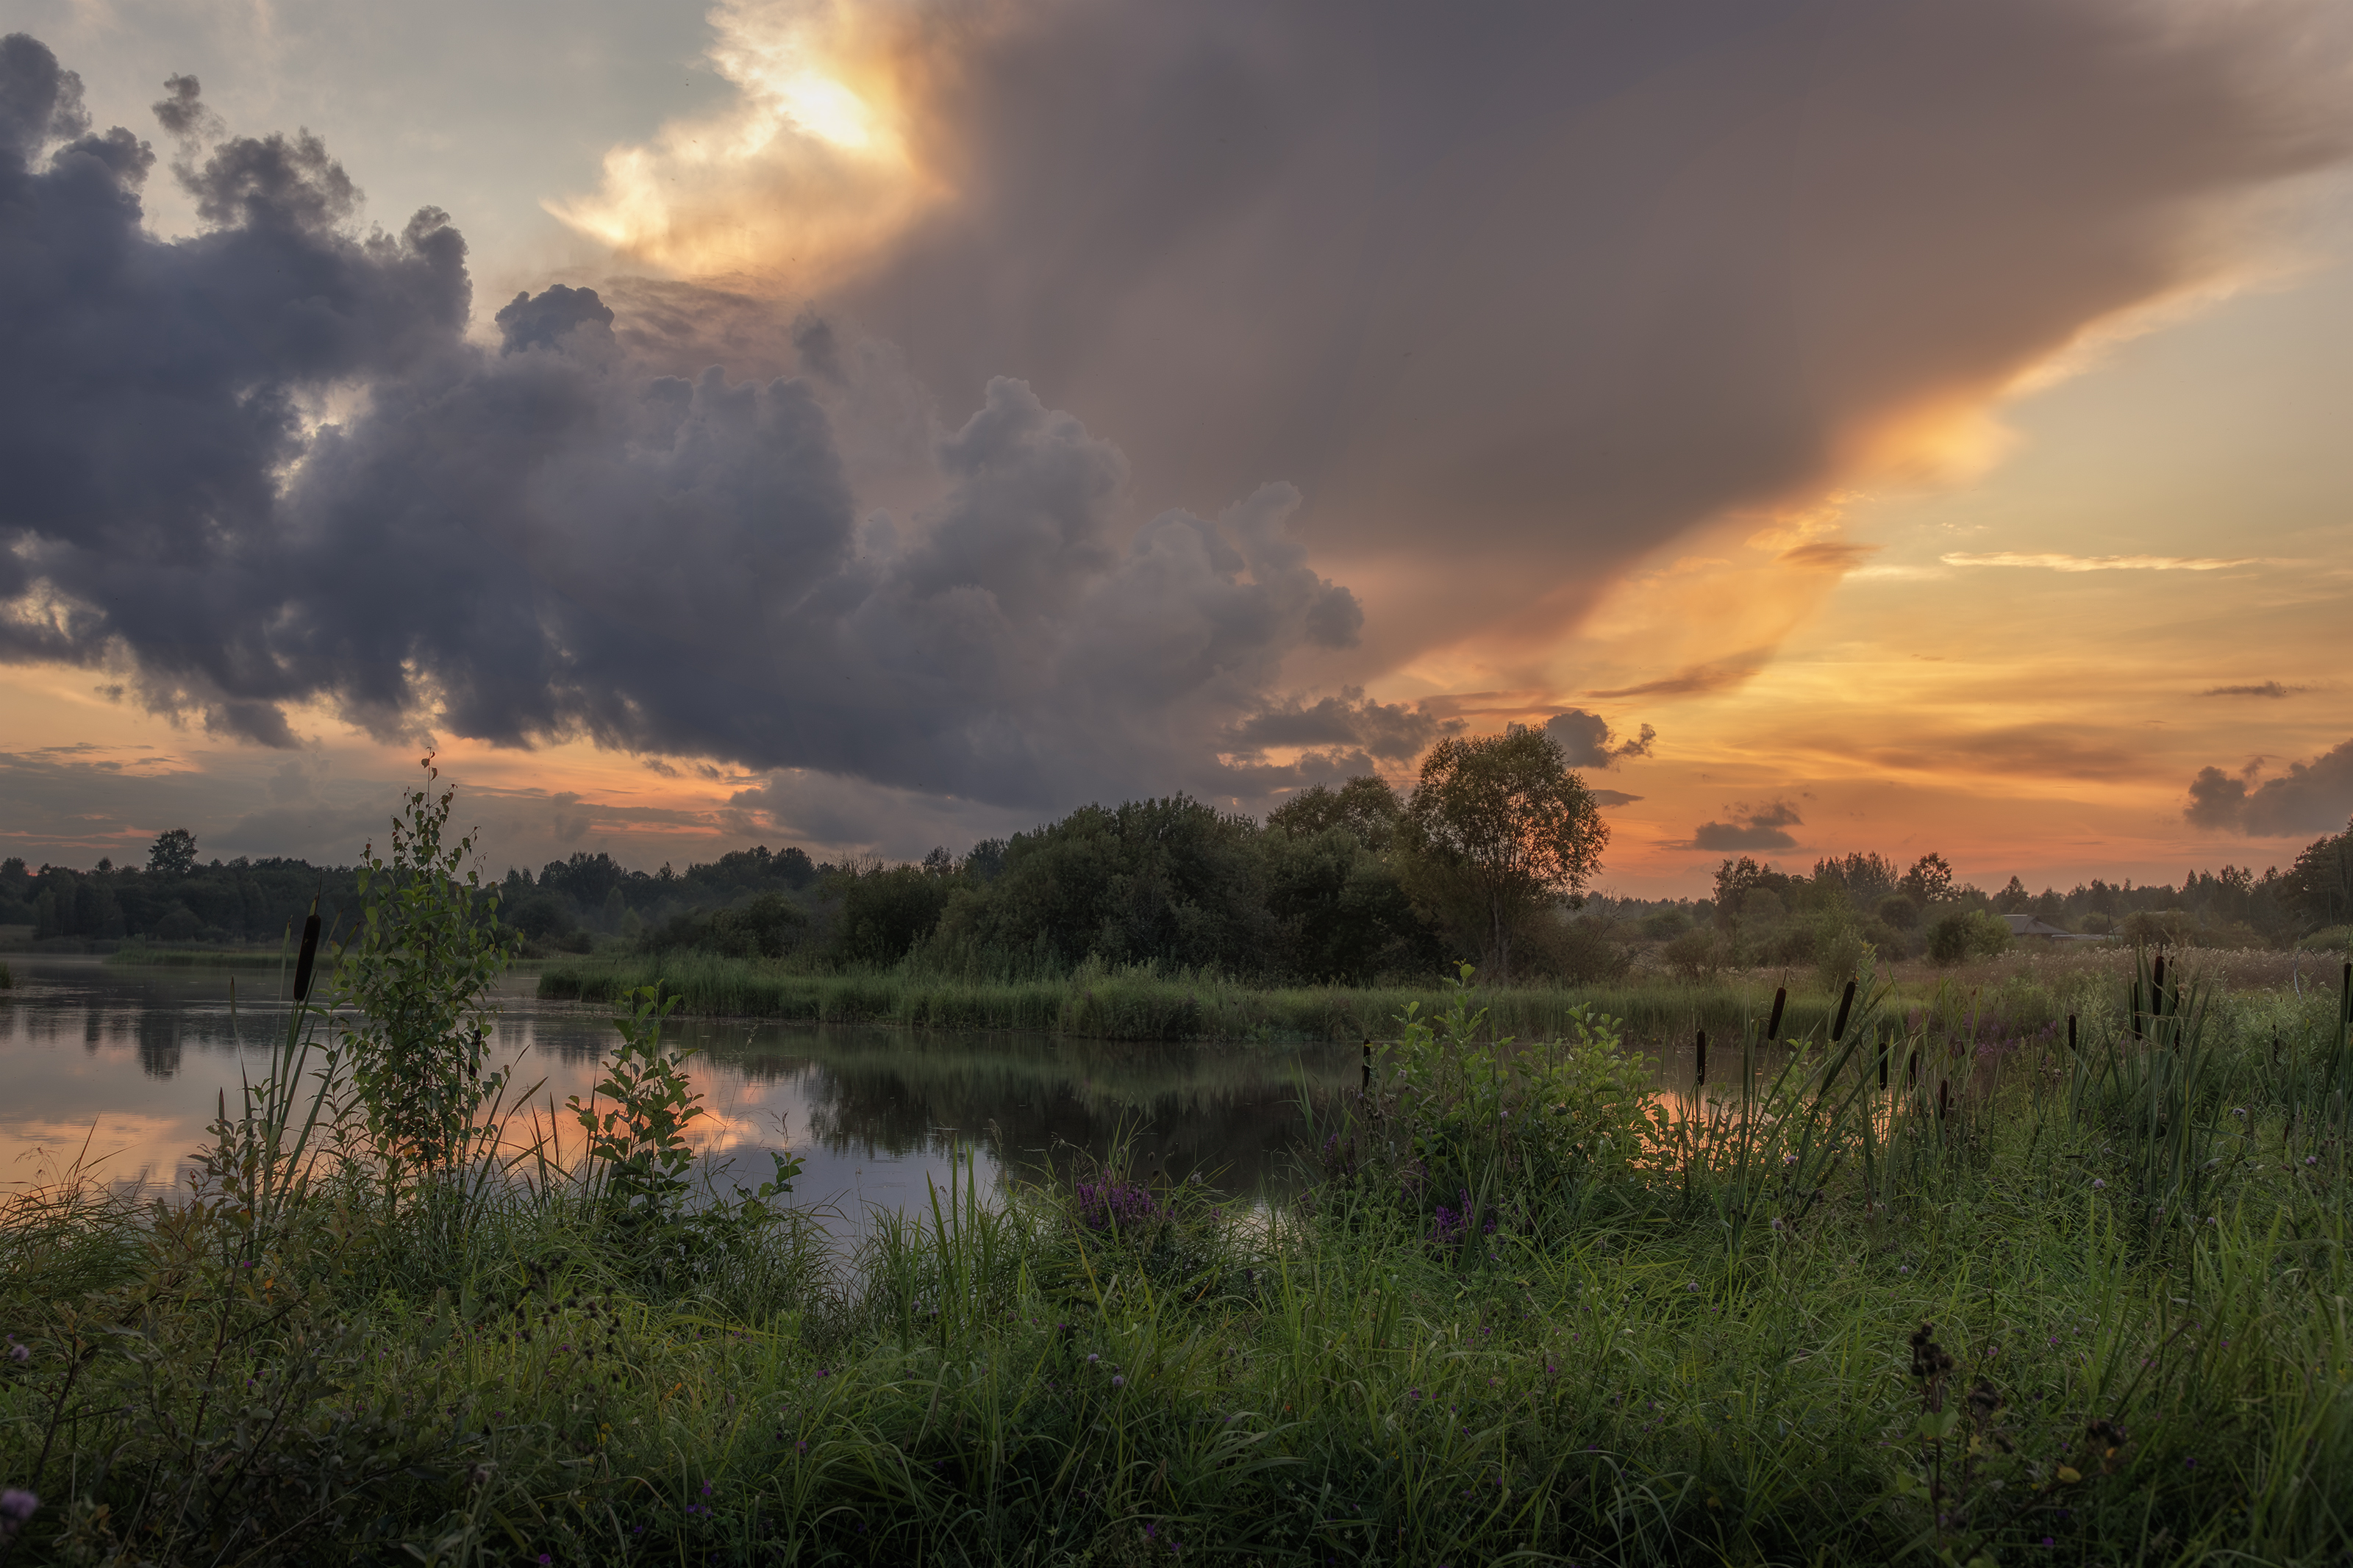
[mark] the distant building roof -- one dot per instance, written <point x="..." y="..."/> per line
<point x="2027" y="925"/>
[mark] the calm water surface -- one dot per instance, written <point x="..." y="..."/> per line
<point x="130" y="1063"/>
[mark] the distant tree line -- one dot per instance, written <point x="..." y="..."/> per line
<point x="1487" y="857"/>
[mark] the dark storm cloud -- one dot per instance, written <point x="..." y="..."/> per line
<point x="1390" y="730"/>
<point x="2310" y="797"/>
<point x="1562" y="281"/>
<point x="1588" y="741"/>
<point x="543" y="539"/>
<point x="1762" y="828"/>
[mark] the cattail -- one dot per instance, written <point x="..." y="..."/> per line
<point x="2071" y="1033"/>
<point x="1845" y="1002"/>
<point x="308" y="958"/>
<point x="1773" y="1025"/>
<point x="1882" y="1061"/>
<point x="1369" y="1066"/>
<point x="1699" y="1079"/>
<point x="2157" y="984"/>
<point x="1944" y="1097"/>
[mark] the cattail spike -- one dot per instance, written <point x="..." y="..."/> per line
<point x="1699" y="1079"/>
<point x="307" y="960"/>
<point x="1839" y="1029"/>
<point x="1773" y="1028"/>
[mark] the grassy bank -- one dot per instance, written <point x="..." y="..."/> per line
<point x="1141" y="1003"/>
<point x="2132" y="1262"/>
<point x="2016" y="994"/>
<point x="146" y="955"/>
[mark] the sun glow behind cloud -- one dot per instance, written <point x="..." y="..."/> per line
<point x="808" y="170"/>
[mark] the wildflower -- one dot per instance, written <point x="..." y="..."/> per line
<point x="17" y="1353"/>
<point x="1093" y="1358"/>
<point x="16" y="1506"/>
<point x="545" y="1558"/>
<point x="2097" y="1185"/>
<point x="1117" y="1381"/>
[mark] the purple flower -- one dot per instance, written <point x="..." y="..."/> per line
<point x="19" y="1353"/>
<point x="1117" y="1206"/>
<point x="16" y="1506"/>
<point x="1117" y="1381"/>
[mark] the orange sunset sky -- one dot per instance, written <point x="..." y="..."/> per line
<point x="1927" y="423"/>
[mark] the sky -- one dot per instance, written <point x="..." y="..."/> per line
<point x="873" y="425"/>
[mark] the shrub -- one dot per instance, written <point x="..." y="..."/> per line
<point x="767" y="925"/>
<point x="1965" y="934"/>
<point x="1487" y="1131"/>
<point x="1576" y="951"/>
<point x="1696" y="955"/>
<point x="417" y="978"/>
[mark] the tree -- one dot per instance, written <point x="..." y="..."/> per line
<point x="1736" y="879"/>
<point x="1929" y="881"/>
<point x="1502" y="831"/>
<point x="2319" y="887"/>
<point x="1366" y="806"/>
<point x="1867" y="878"/>
<point x="174" y="854"/>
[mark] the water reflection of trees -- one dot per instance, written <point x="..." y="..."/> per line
<point x="1234" y="1115"/>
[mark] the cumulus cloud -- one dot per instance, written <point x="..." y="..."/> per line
<point x="1762" y="827"/>
<point x="545" y="539"/>
<point x="1588" y="741"/>
<point x="2315" y="796"/>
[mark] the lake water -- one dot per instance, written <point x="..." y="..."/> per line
<point x="130" y="1063"/>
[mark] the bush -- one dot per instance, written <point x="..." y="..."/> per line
<point x="1696" y="954"/>
<point x="886" y="912"/>
<point x="1574" y="952"/>
<point x="1491" y="1136"/>
<point x="1965" y="934"/>
<point x="1665" y="925"/>
<point x="767" y="925"/>
<point x="1794" y="944"/>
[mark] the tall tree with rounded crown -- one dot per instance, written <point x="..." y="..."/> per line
<point x="1502" y="832"/>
